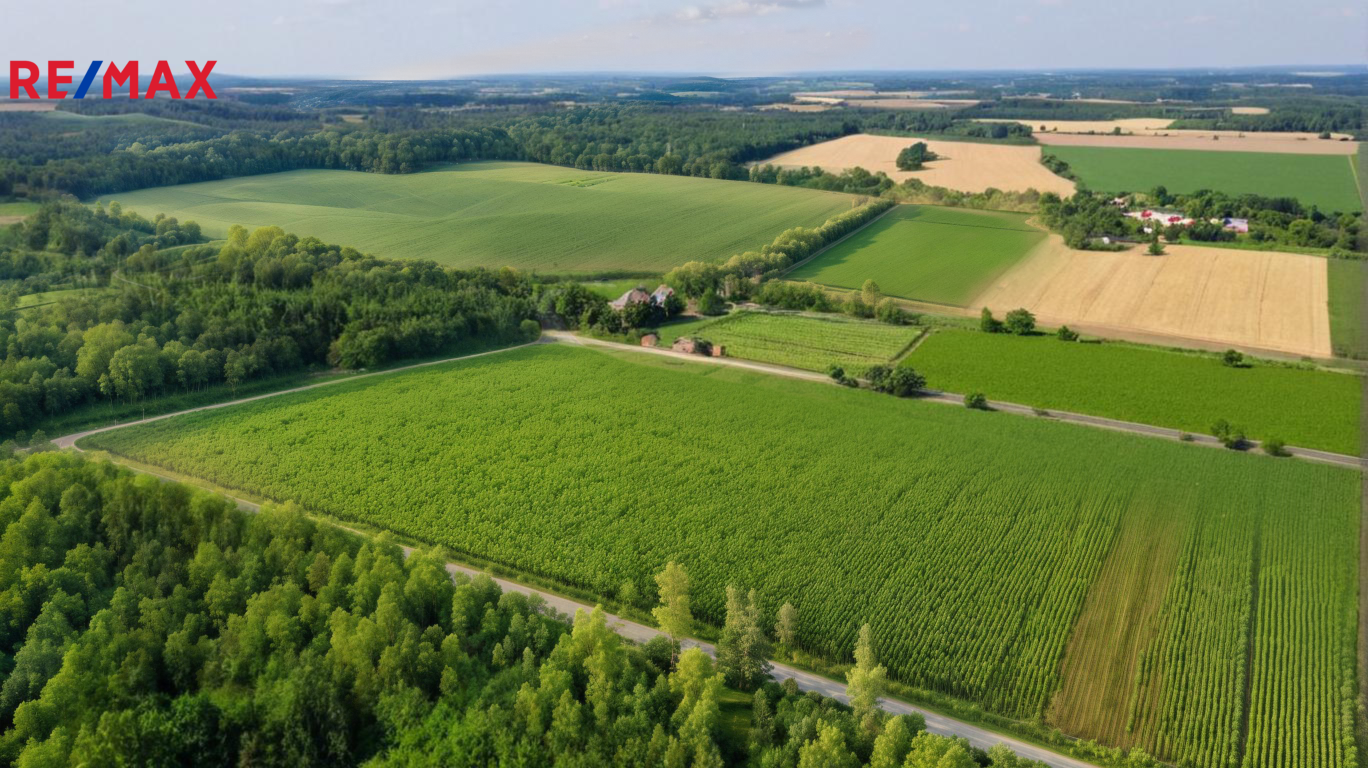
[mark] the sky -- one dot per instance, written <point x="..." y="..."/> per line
<point x="433" y="39"/>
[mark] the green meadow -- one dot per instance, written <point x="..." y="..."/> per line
<point x="1326" y="181"/>
<point x="926" y="253"/>
<point x="496" y="214"/>
<point x="1181" y="390"/>
<point x="1347" y="278"/>
<point x="800" y="341"/>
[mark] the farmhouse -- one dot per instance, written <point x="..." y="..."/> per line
<point x="634" y="296"/>
<point x="639" y="295"/>
<point x="1161" y="217"/>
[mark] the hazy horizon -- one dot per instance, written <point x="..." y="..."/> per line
<point x="436" y="40"/>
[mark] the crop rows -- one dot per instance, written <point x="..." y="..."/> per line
<point x="1308" y="408"/>
<point x="811" y="343"/>
<point x="968" y="540"/>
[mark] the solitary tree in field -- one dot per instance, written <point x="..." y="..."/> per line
<point x="912" y="158"/>
<point x="673" y="615"/>
<point x="786" y="628"/>
<point x="865" y="684"/>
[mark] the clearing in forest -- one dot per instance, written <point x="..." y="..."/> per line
<point x="496" y="214"/>
<point x="971" y="542"/>
<point x="926" y="253"/>
<point x="963" y="165"/>
<point x="1191" y="295"/>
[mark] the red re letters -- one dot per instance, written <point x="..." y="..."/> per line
<point x="26" y="82"/>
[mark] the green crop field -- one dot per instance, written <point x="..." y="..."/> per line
<point x="493" y="214"/>
<point x="1326" y="181"/>
<point x="942" y="255"/>
<point x="1347" y="278"/>
<point x="972" y="542"/>
<point x="1187" y="391"/>
<point x="812" y="343"/>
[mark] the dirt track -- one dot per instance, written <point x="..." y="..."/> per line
<point x="965" y="166"/>
<point x="1256" y="300"/>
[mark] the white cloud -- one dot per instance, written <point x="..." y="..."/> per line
<point x="742" y="9"/>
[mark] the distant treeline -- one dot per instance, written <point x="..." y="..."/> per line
<point x="105" y="155"/>
<point x="1311" y="117"/>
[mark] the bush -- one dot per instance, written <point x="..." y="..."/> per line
<point x="1275" y="447"/>
<point x="988" y="323"/>
<point x="1230" y="435"/>
<point x="900" y="382"/>
<point x="838" y="375"/>
<point x="711" y="304"/>
<point x="1233" y="358"/>
<point x="855" y="306"/>
<point x="1065" y="333"/>
<point x="888" y="311"/>
<point x="531" y="329"/>
<point x="977" y="401"/>
<point x="1020" y="322"/>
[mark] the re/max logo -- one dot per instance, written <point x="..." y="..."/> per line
<point x="23" y="75"/>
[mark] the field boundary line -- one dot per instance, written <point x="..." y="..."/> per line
<point x="979" y="736"/>
<point x="951" y="398"/>
<point x="69" y="441"/>
<point x="842" y="239"/>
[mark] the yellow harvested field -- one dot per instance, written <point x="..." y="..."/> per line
<point x="1211" y="141"/>
<point x="882" y="103"/>
<point x="1128" y="125"/>
<point x="1249" y="110"/>
<point x="27" y="105"/>
<point x="965" y="166"/>
<point x="1192" y="295"/>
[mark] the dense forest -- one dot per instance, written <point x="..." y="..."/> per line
<point x="176" y="319"/>
<point x="148" y="623"/>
